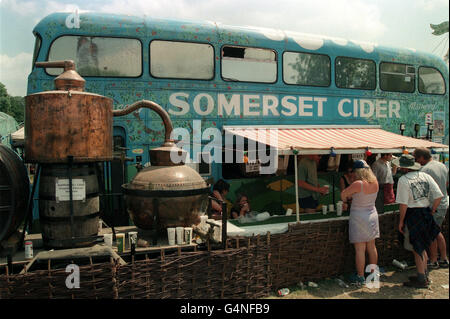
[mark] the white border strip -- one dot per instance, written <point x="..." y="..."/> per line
<point x="230" y="127"/>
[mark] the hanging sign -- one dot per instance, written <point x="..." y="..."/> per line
<point x="252" y="166"/>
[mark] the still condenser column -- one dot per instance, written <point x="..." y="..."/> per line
<point x="67" y="132"/>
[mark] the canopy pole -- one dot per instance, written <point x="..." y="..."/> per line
<point x="296" y="190"/>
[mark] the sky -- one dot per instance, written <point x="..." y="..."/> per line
<point x="399" y="23"/>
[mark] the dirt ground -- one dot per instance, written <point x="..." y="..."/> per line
<point x="391" y="287"/>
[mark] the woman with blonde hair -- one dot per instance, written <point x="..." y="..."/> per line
<point x="363" y="220"/>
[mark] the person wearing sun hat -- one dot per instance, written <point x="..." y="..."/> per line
<point x="439" y="172"/>
<point x="416" y="193"/>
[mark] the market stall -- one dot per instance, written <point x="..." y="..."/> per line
<point x="332" y="140"/>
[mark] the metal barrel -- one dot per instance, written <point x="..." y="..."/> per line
<point x="64" y="225"/>
<point x="14" y="191"/>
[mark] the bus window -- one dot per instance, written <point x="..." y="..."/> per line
<point x="249" y="64"/>
<point x="181" y="60"/>
<point x="355" y="73"/>
<point x="396" y="77"/>
<point x="431" y="81"/>
<point x="306" y="69"/>
<point x="98" y="56"/>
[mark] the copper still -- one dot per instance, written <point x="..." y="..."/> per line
<point x="166" y="194"/>
<point x="67" y="121"/>
<point x="68" y="131"/>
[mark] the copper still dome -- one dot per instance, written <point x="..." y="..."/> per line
<point x="166" y="194"/>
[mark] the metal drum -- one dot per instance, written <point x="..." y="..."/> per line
<point x="14" y="191"/>
<point x="55" y="216"/>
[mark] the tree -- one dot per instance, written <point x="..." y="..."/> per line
<point x="440" y="29"/>
<point x="12" y="105"/>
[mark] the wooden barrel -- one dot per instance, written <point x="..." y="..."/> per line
<point x="14" y="191"/>
<point x="59" y="229"/>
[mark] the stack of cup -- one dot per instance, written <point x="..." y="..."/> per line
<point x="180" y="235"/>
<point x="108" y="238"/>
<point x="339" y="207"/>
<point x="171" y="236"/>
<point x="331" y="208"/>
<point x="324" y="209"/>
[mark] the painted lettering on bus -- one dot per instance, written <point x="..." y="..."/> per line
<point x="369" y="108"/>
<point x="249" y="105"/>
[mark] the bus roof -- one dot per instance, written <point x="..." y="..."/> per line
<point x="103" y="24"/>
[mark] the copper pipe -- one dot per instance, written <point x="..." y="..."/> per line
<point x="66" y="64"/>
<point x="152" y="106"/>
<point x="69" y="79"/>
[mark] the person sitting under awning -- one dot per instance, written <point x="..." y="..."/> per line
<point x="220" y="190"/>
<point x="241" y="206"/>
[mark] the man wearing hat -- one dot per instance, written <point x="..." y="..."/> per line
<point x="416" y="193"/>
<point x="439" y="172"/>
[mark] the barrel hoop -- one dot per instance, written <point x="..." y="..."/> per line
<point x="49" y="197"/>
<point x="165" y="193"/>
<point x="66" y="219"/>
<point x="79" y="173"/>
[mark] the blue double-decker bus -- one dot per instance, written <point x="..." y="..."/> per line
<point x="207" y="75"/>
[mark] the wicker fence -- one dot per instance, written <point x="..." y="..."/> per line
<point x="97" y="281"/>
<point x="233" y="273"/>
<point x="249" y="267"/>
<point x="319" y="250"/>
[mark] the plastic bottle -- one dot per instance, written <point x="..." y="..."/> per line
<point x="283" y="292"/>
<point x="398" y="264"/>
<point x="341" y="283"/>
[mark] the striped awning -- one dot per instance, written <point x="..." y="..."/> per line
<point x="316" y="139"/>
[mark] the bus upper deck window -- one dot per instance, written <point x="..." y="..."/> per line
<point x="306" y="69"/>
<point x="249" y="64"/>
<point x="354" y="73"/>
<point x="181" y="60"/>
<point x="98" y="56"/>
<point x="397" y="77"/>
<point x="431" y="81"/>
